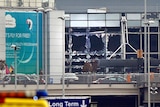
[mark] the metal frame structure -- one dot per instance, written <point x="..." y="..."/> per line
<point x="124" y="39"/>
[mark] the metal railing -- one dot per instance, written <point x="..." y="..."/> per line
<point x="88" y="78"/>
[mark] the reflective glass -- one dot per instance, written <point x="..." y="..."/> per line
<point x="112" y="17"/>
<point x="67" y="23"/>
<point x="78" y="23"/>
<point x="133" y="23"/>
<point x="96" y="16"/>
<point x="78" y="16"/>
<point x="96" y="23"/>
<point x="133" y="16"/>
<point x="155" y="24"/>
<point x="112" y="23"/>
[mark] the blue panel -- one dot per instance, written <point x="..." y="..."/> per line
<point x="69" y="102"/>
<point x="22" y="29"/>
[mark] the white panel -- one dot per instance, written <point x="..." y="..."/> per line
<point x="2" y="3"/>
<point x="58" y="62"/>
<point x="2" y="55"/>
<point x="51" y="3"/>
<point x="56" y="56"/>
<point x="55" y="14"/>
<point x="35" y="3"/>
<point x="56" y="28"/>
<point x="56" y="35"/>
<point x="14" y="3"/>
<point x="56" y="42"/>
<point x="57" y="45"/>
<point x="38" y="4"/>
<point x="54" y="22"/>
<point x="2" y="15"/>
<point x="3" y="51"/>
<point x="26" y="3"/>
<point x="3" y="48"/>
<point x="2" y="35"/>
<point x="98" y="10"/>
<point x="57" y="48"/>
<point x="2" y="27"/>
<point x="56" y="77"/>
<point x="57" y="69"/>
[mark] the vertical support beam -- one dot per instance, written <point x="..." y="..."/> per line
<point x="37" y="49"/>
<point x="149" y="84"/>
<point x="46" y="48"/>
<point x="140" y="39"/>
<point x="159" y="40"/>
<point x="145" y="40"/>
<point x="139" y="97"/>
<point x="15" y="67"/>
<point x="70" y="49"/>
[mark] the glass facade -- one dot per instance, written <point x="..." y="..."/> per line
<point x="98" y="36"/>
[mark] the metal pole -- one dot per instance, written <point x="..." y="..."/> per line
<point x="46" y="48"/>
<point x="63" y="54"/>
<point x="145" y="40"/>
<point x="154" y="92"/>
<point x="70" y="50"/>
<point x="123" y="49"/>
<point x="145" y="51"/>
<point x="153" y="102"/>
<point x="45" y="43"/>
<point x="159" y="40"/>
<point x="63" y="57"/>
<point x="140" y="38"/>
<point x="15" y="55"/>
<point x="37" y="50"/>
<point x="149" y="85"/>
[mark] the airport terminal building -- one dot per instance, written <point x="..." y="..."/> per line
<point x="67" y="36"/>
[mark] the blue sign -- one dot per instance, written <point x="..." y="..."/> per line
<point x="69" y="102"/>
<point x="22" y="30"/>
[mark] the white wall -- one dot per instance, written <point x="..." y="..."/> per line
<point x="2" y="39"/>
<point x="26" y="3"/>
<point x="56" y="45"/>
<point x="2" y="36"/>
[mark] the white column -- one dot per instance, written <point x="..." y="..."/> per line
<point x="2" y="36"/>
<point x="2" y="40"/>
<point x="56" y="45"/>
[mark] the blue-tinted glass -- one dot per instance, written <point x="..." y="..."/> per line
<point x="96" y="16"/>
<point x="78" y="16"/>
<point x="112" y="17"/>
